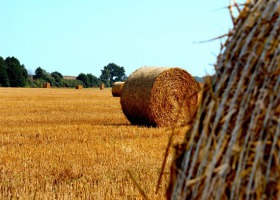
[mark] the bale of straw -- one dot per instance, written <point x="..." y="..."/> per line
<point x="102" y="86"/>
<point x="79" y="87"/>
<point x="117" y="89"/>
<point x="159" y="96"/>
<point x="46" y="85"/>
<point x="232" y="150"/>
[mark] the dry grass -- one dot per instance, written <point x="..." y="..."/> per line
<point x="76" y="144"/>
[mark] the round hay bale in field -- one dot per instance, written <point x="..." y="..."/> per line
<point x="102" y="86"/>
<point x="160" y="96"/>
<point x="78" y="87"/>
<point x="46" y="85"/>
<point x="117" y="89"/>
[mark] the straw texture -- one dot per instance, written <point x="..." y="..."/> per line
<point x="102" y="86"/>
<point x="79" y="87"/>
<point x="232" y="150"/>
<point x="46" y="85"/>
<point x="117" y="89"/>
<point x="153" y="96"/>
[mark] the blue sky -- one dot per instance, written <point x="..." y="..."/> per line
<point x="74" y="36"/>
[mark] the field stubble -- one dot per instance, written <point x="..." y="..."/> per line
<point x="76" y="144"/>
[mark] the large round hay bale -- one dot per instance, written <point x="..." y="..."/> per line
<point x="117" y="89"/>
<point x="160" y="96"/>
<point x="232" y="150"/>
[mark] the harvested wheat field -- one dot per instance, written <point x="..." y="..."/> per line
<point x="76" y="144"/>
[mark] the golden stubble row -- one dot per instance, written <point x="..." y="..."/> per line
<point x="76" y="144"/>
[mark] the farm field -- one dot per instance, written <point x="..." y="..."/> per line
<point x="76" y="144"/>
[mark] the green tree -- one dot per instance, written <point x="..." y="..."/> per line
<point x="93" y="80"/>
<point x="84" y="78"/>
<point x="57" y="78"/>
<point x="112" y="73"/>
<point x="105" y="77"/>
<point x="40" y="74"/>
<point x="70" y="83"/>
<point x="50" y="79"/>
<point x="16" y="72"/>
<point x="24" y="71"/>
<point x="4" y="78"/>
<point x="57" y="75"/>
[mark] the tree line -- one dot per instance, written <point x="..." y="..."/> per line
<point x="14" y="74"/>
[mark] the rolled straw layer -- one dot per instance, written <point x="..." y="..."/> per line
<point x="158" y="96"/>
<point x="117" y="89"/>
<point x="233" y="148"/>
